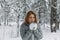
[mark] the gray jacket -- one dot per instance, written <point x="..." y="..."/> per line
<point x="26" y="33"/>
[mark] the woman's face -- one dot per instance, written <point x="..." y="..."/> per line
<point x="31" y="18"/>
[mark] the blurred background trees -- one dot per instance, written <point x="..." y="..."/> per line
<point x="12" y="12"/>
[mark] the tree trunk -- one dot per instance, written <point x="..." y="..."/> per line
<point x="53" y="19"/>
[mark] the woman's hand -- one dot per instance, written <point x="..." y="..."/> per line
<point x="33" y="26"/>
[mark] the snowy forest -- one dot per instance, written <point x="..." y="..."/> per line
<point x="13" y="12"/>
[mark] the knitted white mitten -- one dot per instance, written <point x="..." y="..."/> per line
<point x="33" y="26"/>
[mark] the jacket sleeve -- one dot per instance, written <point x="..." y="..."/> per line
<point x="38" y="33"/>
<point x="25" y="34"/>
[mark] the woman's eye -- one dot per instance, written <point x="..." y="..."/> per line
<point x="34" y="17"/>
<point x="30" y="17"/>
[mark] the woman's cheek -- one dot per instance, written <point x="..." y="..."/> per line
<point x="33" y="20"/>
<point x="29" y="20"/>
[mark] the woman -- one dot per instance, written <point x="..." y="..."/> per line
<point x="26" y="31"/>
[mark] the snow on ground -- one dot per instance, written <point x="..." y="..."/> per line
<point x="47" y="35"/>
<point x="9" y="33"/>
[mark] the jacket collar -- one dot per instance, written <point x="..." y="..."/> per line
<point x="26" y="24"/>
